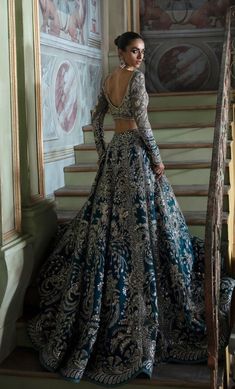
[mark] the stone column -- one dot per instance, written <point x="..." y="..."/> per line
<point x="15" y="246"/>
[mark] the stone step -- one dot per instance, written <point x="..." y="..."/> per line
<point x="189" y="197"/>
<point x="168" y="133"/>
<point x="183" y="99"/>
<point x="189" y="203"/>
<point x="183" y="108"/>
<point x="180" y="190"/>
<point x="177" y="114"/>
<point x="80" y="175"/>
<point x="199" y="164"/>
<point x="162" y="145"/>
<point x="178" y="173"/>
<point x="23" y="370"/>
<point x="169" y="115"/>
<point x="195" y="221"/>
<point x="169" y="151"/>
<point x="177" y="151"/>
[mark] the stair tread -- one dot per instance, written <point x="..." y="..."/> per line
<point x="172" y="126"/>
<point x="185" y="93"/>
<point x="82" y="167"/>
<point x="183" y="108"/>
<point x="24" y="362"/>
<point x="161" y="145"/>
<point x="183" y="190"/>
<point x="199" y="217"/>
<point x="73" y="191"/>
<point x="91" y="166"/>
<point x="199" y="190"/>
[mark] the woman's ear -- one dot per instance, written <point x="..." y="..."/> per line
<point x="121" y="59"/>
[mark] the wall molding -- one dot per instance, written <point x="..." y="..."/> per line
<point x="38" y="97"/>
<point x="59" y="154"/>
<point x="186" y="33"/>
<point x="9" y="235"/>
<point x="94" y="43"/>
<point x="71" y="47"/>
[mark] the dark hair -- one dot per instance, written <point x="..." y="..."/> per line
<point x="122" y="41"/>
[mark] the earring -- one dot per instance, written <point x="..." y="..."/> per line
<point x="122" y="63"/>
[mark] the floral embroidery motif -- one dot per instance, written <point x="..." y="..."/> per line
<point x="123" y="287"/>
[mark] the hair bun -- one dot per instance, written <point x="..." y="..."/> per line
<point x="116" y="40"/>
<point x="122" y="41"/>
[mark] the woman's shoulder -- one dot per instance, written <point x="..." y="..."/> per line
<point x="138" y="79"/>
<point x="138" y="76"/>
<point x="138" y="73"/>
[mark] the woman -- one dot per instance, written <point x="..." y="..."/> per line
<point x="123" y="289"/>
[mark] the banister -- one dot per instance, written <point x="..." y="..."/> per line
<point x="215" y="205"/>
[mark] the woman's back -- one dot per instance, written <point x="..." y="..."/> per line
<point x="116" y="85"/>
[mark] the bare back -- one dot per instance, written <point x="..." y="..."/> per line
<point x="116" y="85"/>
<point x="116" y="88"/>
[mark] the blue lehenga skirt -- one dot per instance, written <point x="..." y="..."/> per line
<point x="123" y="287"/>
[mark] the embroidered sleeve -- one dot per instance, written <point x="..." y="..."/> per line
<point x="139" y="103"/>
<point x="97" y="120"/>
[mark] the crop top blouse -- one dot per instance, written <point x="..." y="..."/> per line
<point x="133" y="106"/>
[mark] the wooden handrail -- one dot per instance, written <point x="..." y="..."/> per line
<point x="215" y="206"/>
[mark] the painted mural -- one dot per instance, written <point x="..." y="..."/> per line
<point x="70" y="78"/>
<point x="66" y="101"/>
<point x="64" y="18"/>
<point x="183" y="64"/>
<point x="175" y="14"/>
<point x="94" y="27"/>
<point x="184" y="41"/>
<point x="48" y="124"/>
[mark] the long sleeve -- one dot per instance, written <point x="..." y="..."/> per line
<point x="97" y="120"/>
<point x="139" y="102"/>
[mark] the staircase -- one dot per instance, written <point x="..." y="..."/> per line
<point x="183" y="125"/>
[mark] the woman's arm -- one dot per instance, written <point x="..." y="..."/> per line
<point x="139" y="102"/>
<point x="97" y="120"/>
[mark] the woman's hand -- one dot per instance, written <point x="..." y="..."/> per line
<point x="159" y="169"/>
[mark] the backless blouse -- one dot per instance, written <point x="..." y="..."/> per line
<point x="133" y="106"/>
